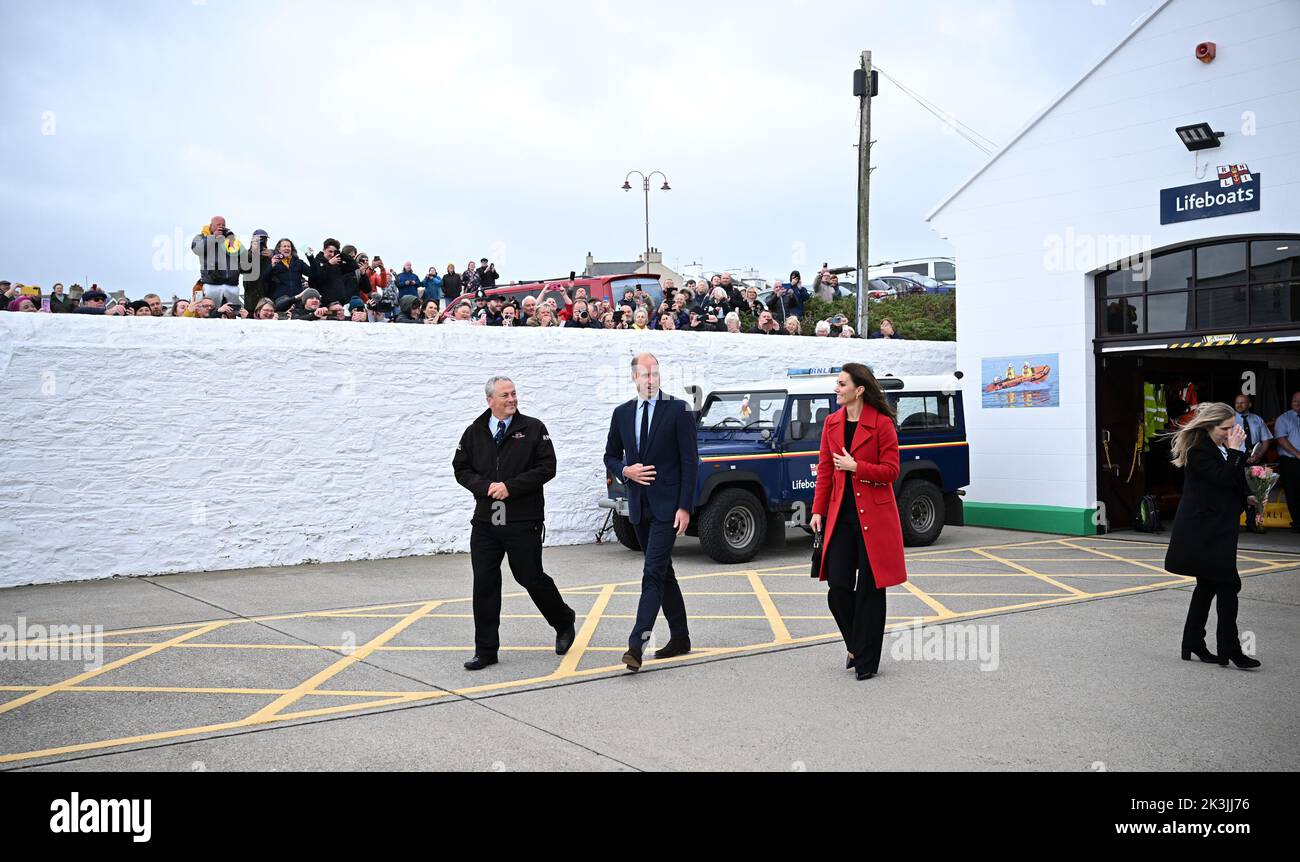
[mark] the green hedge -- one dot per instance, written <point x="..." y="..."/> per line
<point x="922" y="317"/>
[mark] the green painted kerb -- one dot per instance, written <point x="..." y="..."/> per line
<point x="1037" y="519"/>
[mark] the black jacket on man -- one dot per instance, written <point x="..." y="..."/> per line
<point x="1203" y="543"/>
<point x="525" y="462"/>
<point x="334" y="282"/>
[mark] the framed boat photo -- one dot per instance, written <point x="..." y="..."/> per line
<point x="1029" y="380"/>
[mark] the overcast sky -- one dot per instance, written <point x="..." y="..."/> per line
<point x="443" y="131"/>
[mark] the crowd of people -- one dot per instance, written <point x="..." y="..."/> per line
<point x="339" y="283"/>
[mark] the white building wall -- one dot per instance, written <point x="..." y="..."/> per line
<point x="1084" y="181"/>
<point x="154" y="446"/>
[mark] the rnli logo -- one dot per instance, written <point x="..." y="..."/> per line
<point x="812" y="468"/>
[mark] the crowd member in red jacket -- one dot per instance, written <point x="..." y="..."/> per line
<point x="862" y="552"/>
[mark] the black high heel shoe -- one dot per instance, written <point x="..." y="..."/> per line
<point x="848" y="663"/>
<point x="1202" y="653"/>
<point x="1241" y="660"/>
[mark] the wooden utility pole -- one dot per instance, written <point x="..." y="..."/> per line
<point x="864" y="88"/>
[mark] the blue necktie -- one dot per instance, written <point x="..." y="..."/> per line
<point x="501" y="434"/>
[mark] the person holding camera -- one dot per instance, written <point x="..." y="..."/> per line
<point x="432" y="285"/>
<point x="787" y="300"/>
<point x="332" y="274"/>
<point x="287" y="271"/>
<point x="257" y="269"/>
<point x="581" y="318"/>
<point x="221" y="256"/>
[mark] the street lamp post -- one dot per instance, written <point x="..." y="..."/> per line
<point x="645" y="185"/>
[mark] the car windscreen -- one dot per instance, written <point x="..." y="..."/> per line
<point x="648" y="284"/>
<point x="736" y="411"/>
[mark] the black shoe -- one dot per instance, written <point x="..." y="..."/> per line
<point x="848" y="663"/>
<point x="632" y="658"/>
<point x="865" y="675"/>
<point x="674" y="648"/>
<point x="564" y="639"/>
<point x="1241" y="660"/>
<point x="1202" y="652"/>
<point x="478" y="662"/>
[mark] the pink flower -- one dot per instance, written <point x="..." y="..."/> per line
<point x="1257" y="472"/>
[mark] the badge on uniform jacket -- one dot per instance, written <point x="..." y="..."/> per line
<point x="521" y="435"/>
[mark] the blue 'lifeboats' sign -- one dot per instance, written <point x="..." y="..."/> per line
<point x="1209" y="200"/>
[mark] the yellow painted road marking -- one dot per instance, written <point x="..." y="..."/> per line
<point x="306" y="687"/>
<point x="780" y="634"/>
<point x="583" y="639"/>
<point x="1044" y="578"/>
<point x="935" y="606"/>
<point x="103" y="669"/>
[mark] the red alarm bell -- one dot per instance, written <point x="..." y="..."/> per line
<point x="1206" y="51"/>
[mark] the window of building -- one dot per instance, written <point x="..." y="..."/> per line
<point x="1211" y="288"/>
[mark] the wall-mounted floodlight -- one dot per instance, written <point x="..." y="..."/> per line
<point x="1199" y="137"/>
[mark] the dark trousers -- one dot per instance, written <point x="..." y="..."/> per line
<point x="659" y="586"/>
<point x="522" y="544"/>
<point x="1289" y="469"/>
<point x="857" y="604"/>
<point x="1199" y="613"/>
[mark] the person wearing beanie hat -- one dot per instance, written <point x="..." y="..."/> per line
<point x="309" y="306"/>
<point x="256" y="269"/>
<point x="407" y="303"/>
<point x="93" y="301"/>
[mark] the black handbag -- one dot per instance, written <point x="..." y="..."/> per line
<point x="817" y="556"/>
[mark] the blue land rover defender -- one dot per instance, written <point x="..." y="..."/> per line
<point x="759" y="445"/>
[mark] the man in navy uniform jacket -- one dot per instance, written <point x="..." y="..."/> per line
<point x="652" y="447"/>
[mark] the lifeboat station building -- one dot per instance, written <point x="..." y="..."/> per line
<point x="1133" y="251"/>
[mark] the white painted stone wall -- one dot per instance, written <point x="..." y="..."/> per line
<point x="1081" y="190"/>
<point x="149" y="446"/>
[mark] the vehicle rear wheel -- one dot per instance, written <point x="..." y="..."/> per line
<point x="626" y="534"/>
<point x="733" y="526"/>
<point x="920" y="506"/>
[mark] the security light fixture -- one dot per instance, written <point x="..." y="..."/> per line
<point x="1199" y="137"/>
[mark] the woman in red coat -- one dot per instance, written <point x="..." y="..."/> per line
<point x="862" y="552"/>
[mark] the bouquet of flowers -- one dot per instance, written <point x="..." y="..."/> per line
<point x="1261" y="481"/>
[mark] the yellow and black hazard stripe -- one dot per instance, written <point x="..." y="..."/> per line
<point x="1220" y="342"/>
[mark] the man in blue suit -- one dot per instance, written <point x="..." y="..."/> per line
<point x="652" y="446"/>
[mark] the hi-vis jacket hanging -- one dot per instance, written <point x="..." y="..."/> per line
<point x="1155" y="414"/>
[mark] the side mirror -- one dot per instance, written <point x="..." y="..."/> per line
<point x="796" y="429"/>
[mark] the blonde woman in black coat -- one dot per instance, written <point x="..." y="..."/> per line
<point x="1203" y="544"/>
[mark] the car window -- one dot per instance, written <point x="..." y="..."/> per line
<point x="812" y="411"/>
<point x="929" y="412"/>
<point x="738" y="410"/>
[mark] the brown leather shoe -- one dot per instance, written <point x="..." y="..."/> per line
<point x="674" y="648"/>
<point x="632" y="658"/>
